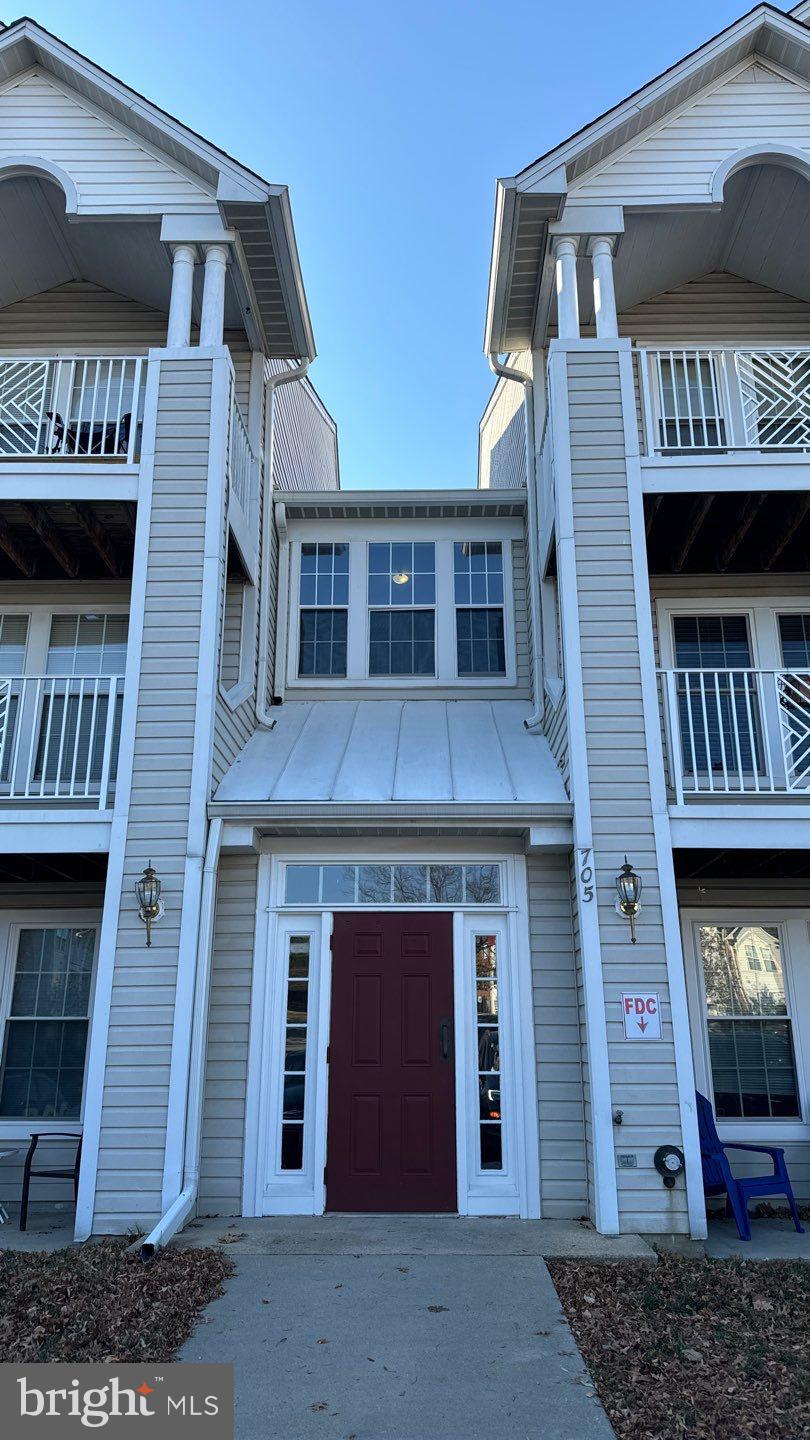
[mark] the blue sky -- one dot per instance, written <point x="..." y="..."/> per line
<point x="390" y="120"/>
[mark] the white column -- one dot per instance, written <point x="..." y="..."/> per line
<point x="604" y="295"/>
<point x="565" y="254"/>
<point x="213" y="305"/>
<point x="179" y="330"/>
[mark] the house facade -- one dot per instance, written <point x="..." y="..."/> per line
<point x="648" y="286"/>
<point x="388" y="753"/>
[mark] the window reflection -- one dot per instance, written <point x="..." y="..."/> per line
<point x="750" y="1033"/>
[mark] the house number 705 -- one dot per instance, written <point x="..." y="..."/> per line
<point x="586" y="874"/>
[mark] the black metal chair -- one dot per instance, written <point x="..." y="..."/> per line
<point x="29" y="1174"/>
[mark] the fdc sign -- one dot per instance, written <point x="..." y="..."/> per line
<point x="642" y="1016"/>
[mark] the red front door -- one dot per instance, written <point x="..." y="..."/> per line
<point x="391" y="1142"/>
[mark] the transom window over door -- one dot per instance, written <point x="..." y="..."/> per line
<point x="46" y="1023"/>
<point x="401" y="599"/>
<point x="748" y="1020"/>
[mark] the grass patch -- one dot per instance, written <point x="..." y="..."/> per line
<point x="704" y="1349"/>
<point x="96" y="1302"/>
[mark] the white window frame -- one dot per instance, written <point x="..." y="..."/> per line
<point x="11" y="923"/>
<point x="513" y="1190"/>
<point x="761" y="612"/>
<point x="444" y="534"/>
<point x="243" y="687"/>
<point x="794" y="935"/>
<point x="39" y="625"/>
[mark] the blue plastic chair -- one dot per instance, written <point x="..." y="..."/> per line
<point x="718" y="1179"/>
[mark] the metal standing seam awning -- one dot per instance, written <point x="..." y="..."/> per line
<point x="396" y="758"/>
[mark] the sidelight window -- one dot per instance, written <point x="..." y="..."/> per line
<point x="488" y="1050"/>
<point x="297" y="983"/>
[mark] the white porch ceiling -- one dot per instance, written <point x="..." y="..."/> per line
<point x="760" y="234"/>
<point x="40" y="248"/>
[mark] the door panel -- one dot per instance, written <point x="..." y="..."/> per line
<point x="391" y="1131"/>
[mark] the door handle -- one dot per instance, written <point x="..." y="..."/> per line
<point x="444" y="1038"/>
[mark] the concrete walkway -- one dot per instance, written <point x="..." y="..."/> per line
<point x="771" y="1239"/>
<point x="415" y="1333"/>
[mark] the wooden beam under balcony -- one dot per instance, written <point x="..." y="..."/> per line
<point x="748" y="514"/>
<point x="785" y="531"/>
<point x="697" y="515"/>
<point x="99" y="537"/>
<point x="11" y="547"/>
<point x="45" y="530"/>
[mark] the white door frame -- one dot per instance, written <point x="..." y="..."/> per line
<point x="513" y="1191"/>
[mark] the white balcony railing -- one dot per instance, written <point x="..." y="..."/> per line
<point x="726" y="399"/>
<point x="240" y="458"/>
<point x="737" y="732"/>
<point x="69" y="407"/>
<point x="59" y="738"/>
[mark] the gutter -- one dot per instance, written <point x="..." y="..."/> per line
<point x="172" y="1220"/>
<point x="264" y="718"/>
<point x="505" y="372"/>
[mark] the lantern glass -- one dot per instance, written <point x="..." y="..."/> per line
<point x="148" y="890"/>
<point x="628" y="884"/>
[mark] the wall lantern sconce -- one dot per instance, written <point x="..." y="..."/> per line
<point x="628" y="890"/>
<point x="150" y="905"/>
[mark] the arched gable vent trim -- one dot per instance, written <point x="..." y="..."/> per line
<point x="38" y="165"/>
<point x="789" y="156"/>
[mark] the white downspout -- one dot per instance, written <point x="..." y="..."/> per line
<point x="264" y="717"/>
<point x="171" y="1221"/>
<point x="505" y="372"/>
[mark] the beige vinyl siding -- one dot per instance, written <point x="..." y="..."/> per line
<point x="223" y="1127"/>
<point x="718" y="309"/>
<point x="555" y="728"/>
<point x="232" y="633"/>
<point x="643" y="1079"/>
<point x="680" y="157"/>
<point x="305" y="445"/>
<point x="563" y="1180"/>
<point x="78" y="595"/>
<point x="80" y="318"/>
<point x="502" y="433"/>
<point x="112" y="170"/>
<point x="523" y="651"/>
<point x="136" y="1081"/>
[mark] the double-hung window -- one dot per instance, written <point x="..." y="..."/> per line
<point x="46" y="1022"/>
<point x="478" y="586"/>
<point x="750" y="1031"/>
<point x="324" y="610"/>
<point x="402" y="600"/>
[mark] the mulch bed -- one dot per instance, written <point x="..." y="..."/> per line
<point x="98" y="1303"/>
<point x="704" y="1349"/>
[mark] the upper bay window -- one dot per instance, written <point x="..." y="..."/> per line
<point x="430" y="610"/>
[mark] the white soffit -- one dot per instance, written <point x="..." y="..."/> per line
<point x="407" y="752"/>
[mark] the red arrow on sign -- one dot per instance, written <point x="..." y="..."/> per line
<point x="642" y="1025"/>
